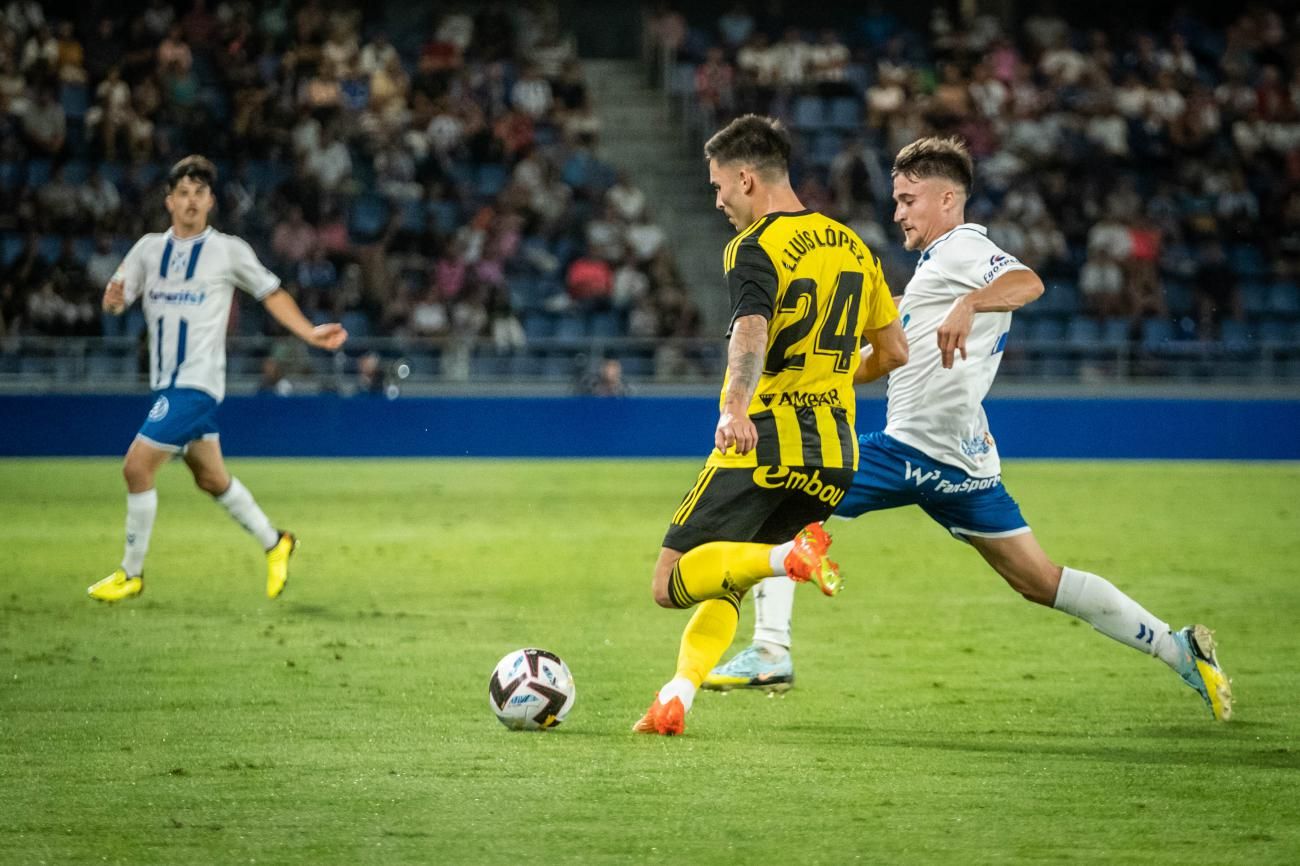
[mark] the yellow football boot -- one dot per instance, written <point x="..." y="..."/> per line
<point x="117" y="587"/>
<point x="277" y="564"/>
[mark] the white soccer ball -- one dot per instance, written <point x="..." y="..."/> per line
<point x="531" y="690"/>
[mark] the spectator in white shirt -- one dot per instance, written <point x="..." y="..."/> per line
<point x="531" y="94"/>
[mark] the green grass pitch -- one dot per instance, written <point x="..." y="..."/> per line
<point x="938" y="718"/>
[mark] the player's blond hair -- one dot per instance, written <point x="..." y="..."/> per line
<point x="936" y="157"/>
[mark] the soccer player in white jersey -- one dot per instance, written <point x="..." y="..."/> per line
<point x="186" y="279"/>
<point x="936" y="450"/>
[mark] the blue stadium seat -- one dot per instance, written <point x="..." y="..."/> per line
<point x="148" y="174"/>
<point x="11" y="247"/>
<point x="12" y="175"/>
<point x="492" y="179"/>
<point x="1236" y="335"/>
<point x="1156" y="333"/>
<point x="1047" y="330"/>
<point x="75" y="139"/>
<point x="75" y="99"/>
<point x="445" y="215"/>
<point x="1254" y="297"/>
<point x="461" y="174"/>
<point x="1277" y="331"/>
<point x="546" y="134"/>
<point x="825" y="147"/>
<point x="808" y="113"/>
<point x="637" y="365"/>
<point x="1060" y="296"/>
<point x="539" y="325"/>
<point x="570" y="327"/>
<point x="525" y="365"/>
<point x="604" y="325"/>
<point x="113" y="172"/>
<point x="522" y="285"/>
<point x="413" y="216"/>
<point x="76" y="171"/>
<point x="1115" y="332"/>
<point x="1284" y="298"/>
<point x="1179" y="297"/>
<point x="355" y="93"/>
<point x="1247" y="260"/>
<point x="1083" y="332"/>
<point x="83" y="248"/>
<point x="858" y="76"/>
<point x="845" y="113"/>
<point x="50" y="247"/>
<point x="38" y="172"/>
<point x="682" y="79"/>
<point x="356" y="322"/>
<point x="367" y="217"/>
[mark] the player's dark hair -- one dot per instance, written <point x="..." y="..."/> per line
<point x="196" y="168"/>
<point x="936" y="157"/>
<point x="753" y="140"/>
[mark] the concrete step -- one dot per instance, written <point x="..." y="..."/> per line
<point x="641" y="134"/>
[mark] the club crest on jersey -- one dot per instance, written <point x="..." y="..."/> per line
<point x="159" y="410"/>
<point x="977" y="446"/>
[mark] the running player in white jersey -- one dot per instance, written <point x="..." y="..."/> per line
<point x="186" y="279"/>
<point x="936" y="450"/>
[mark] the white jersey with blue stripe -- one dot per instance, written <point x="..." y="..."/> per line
<point x="186" y="286"/>
<point x="940" y="412"/>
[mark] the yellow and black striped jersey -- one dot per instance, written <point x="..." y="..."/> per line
<point x="820" y="288"/>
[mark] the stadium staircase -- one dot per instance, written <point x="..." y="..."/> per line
<point x="640" y="133"/>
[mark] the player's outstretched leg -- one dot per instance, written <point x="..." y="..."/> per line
<point x="1098" y="602"/>
<point x="118" y="586"/>
<point x="1200" y="669"/>
<point x="277" y="563"/>
<point x="807" y="560"/>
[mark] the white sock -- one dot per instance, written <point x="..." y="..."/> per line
<point x="778" y="555"/>
<point x="773" y="610"/>
<point x="141" y="509"/>
<point x="241" y="505"/>
<point x="678" y="687"/>
<point x="1097" y="601"/>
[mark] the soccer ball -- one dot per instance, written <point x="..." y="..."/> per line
<point x="530" y="690"/>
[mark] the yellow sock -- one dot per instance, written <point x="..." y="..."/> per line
<point x="707" y="637"/>
<point x="715" y="569"/>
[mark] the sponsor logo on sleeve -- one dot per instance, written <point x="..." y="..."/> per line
<point x="997" y="264"/>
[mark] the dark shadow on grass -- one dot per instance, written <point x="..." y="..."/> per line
<point x="1186" y="746"/>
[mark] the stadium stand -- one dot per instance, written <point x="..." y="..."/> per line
<point x="441" y="182"/>
<point x="1150" y="175"/>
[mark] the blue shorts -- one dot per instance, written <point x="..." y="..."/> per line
<point x="891" y="474"/>
<point x="178" y="417"/>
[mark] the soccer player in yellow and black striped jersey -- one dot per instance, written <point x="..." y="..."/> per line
<point x="805" y="291"/>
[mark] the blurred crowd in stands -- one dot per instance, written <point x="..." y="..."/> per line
<point x="407" y="171"/>
<point x="1151" y="175"/>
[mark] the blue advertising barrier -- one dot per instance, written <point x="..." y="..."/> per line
<point x="330" y="426"/>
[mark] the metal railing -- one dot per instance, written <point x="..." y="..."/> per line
<point x="117" y="364"/>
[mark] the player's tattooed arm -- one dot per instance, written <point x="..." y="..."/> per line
<point x="745" y="359"/>
<point x="745" y="355"/>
